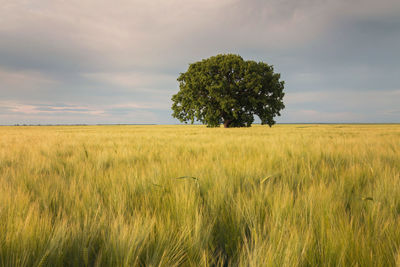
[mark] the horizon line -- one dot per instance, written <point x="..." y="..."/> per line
<point x="197" y="124"/>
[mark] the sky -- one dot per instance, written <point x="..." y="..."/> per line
<point x="111" y="62"/>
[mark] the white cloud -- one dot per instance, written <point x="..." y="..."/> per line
<point x="341" y="106"/>
<point x="134" y="80"/>
<point x="32" y="109"/>
<point x="345" y="97"/>
<point x="310" y="115"/>
<point x="131" y="113"/>
<point x="23" y="80"/>
<point x="141" y="105"/>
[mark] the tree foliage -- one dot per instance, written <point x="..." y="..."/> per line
<point x="227" y="89"/>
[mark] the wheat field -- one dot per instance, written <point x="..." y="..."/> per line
<point x="290" y="195"/>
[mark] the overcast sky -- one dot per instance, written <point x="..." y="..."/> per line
<point x="82" y="61"/>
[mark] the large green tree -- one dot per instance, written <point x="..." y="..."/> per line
<point x="227" y="89"/>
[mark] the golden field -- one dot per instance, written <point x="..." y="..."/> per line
<point x="290" y="195"/>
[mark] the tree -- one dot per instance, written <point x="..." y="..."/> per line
<point x="227" y="89"/>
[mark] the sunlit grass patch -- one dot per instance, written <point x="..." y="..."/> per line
<point x="290" y="195"/>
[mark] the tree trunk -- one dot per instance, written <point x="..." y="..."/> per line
<point x="227" y="123"/>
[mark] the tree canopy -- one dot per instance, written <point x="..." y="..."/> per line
<point x="227" y="89"/>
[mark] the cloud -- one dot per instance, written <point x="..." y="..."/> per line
<point x="87" y="35"/>
<point x="134" y="80"/>
<point x="364" y="98"/>
<point x="310" y="115"/>
<point x="342" y="106"/>
<point x="31" y="109"/>
<point x="126" y="112"/>
<point x="96" y="54"/>
<point x="23" y="80"/>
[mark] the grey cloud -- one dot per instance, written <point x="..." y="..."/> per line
<point x="94" y="53"/>
<point x="42" y="113"/>
<point x="329" y="106"/>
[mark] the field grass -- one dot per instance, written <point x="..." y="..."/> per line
<point x="290" y="195"/>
